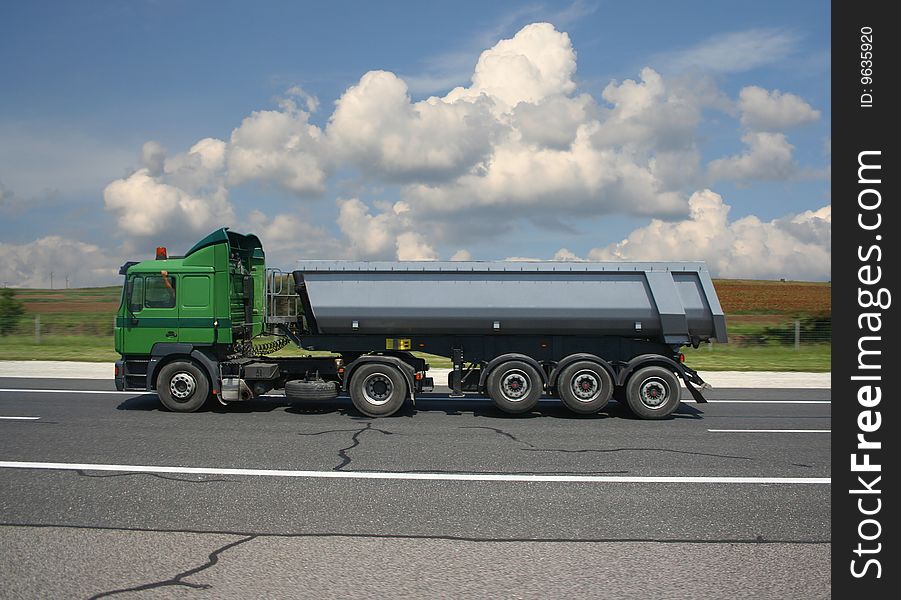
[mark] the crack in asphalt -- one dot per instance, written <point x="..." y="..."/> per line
<point x="178" y="580"/>
<point x="533" y="448"/>
<point x="609" y="450"/>
<point x="84" y="473"/>
<point x="355" y="441"/>
<point x="506" y="434"/>
<point x="409" y="536"/>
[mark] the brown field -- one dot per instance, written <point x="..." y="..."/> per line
<point x="774" y="297"/>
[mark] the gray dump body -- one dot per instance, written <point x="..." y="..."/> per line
<point x="672" y="302"/>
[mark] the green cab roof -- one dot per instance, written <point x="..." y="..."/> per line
<point x="249" y="242"/>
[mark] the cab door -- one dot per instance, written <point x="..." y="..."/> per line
<point x="152" y="313"/>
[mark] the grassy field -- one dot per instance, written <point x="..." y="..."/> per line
<point x="77" y="324"/>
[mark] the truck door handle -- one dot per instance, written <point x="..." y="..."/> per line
<point x="171" y="334"/>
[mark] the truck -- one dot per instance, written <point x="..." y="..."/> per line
<point x="201" y="328"/>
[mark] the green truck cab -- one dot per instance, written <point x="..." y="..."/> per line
<point x="197" y="305"/>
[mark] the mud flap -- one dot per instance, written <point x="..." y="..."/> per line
<point x="691" y="378"/>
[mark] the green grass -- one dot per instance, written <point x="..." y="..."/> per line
<point x="728" y="357"/>
<point x="58" y="347"/>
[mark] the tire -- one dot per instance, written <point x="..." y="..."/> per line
<point x="515" y="387"/>
<point x="585" y="387"/>
<point x="182" y="386"/>
<point x="653" y="393"/>
<point x="300" y="389"/>
<point x="378" y="390"/>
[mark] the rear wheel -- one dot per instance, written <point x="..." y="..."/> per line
<point x="378" y="390"/>
<point x="515" y="387"/>
<point x="585" y="387"/>
<point x="653" y="393"/>
<point x="182" y="386"/>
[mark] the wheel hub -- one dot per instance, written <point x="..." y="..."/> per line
<point x="377" y="389"/>
<point x="585" y="386"/>
<point x="182" y="386"/>
<point x="515" y="386"/>
<point x="653" y="392"/>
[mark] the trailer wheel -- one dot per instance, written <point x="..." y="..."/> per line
<point x="653" y="393"/>
<point x="585" y="387"/>
<point x="378" y="390"/>
<point x="514" y="386"/>
<point x="182" y="386"/>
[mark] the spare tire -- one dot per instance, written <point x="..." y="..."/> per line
<point x="314" y="389"/>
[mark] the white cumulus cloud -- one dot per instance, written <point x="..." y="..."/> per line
<point x="377" y="127"/>
<point x="793" y="247"/>
<point x="30" y="264"/>
<point x="290" y="237"/>
<point x="384" y="236"/>
<point x="279" y="146"/>
<point x="146" y="206"/>
<point x="536" y="63"/>
<point x="764" y="110"/>
<point x="768" y="158"/>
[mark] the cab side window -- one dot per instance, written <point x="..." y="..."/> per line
<point x="136" y="298"/>
<point x="159" y="291"/>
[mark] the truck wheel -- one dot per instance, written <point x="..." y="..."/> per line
<point x="182" y="386"/>
<point x="653" y="393"/>
<point x="515" y="387"/>
<point x="378" y="390"/>
<point x="300" y="389"/>
<point x="585" y="387"/>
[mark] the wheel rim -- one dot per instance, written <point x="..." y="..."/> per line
<point x="182" y="386"/>
<point x="377" y="389"/>
<point x="654" y="392"/>
<point x="515" y="385"/>
<point x="585" y="386"/>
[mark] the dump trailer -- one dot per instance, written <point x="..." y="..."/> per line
<point x="199" y="328"/>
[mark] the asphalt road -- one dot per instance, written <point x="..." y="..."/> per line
<point x="447" y="499"/>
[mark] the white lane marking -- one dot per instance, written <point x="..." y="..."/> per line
<point x="770" y="430"/>
<point x="762" y="402"/>
<point x="409" y="476"/>
<point x="20" y="418"/>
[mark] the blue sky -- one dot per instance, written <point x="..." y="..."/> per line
<point x="86" y="85"/>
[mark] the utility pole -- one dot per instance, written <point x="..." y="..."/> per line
<point x="51" y="280"/>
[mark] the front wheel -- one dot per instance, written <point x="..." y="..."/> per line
<point x="182" y="386"/>
<point x="653" y="393"/>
